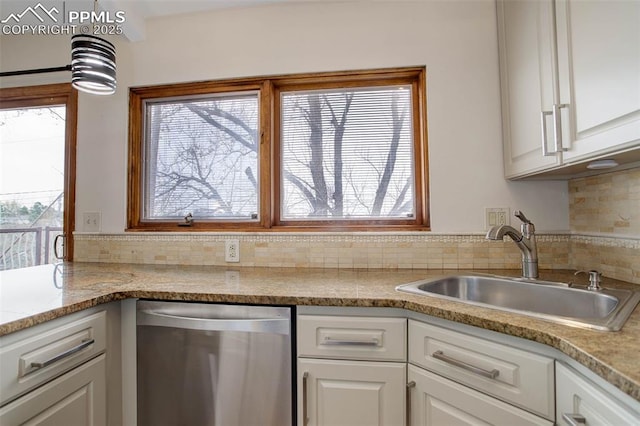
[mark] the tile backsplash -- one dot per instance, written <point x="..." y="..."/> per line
<point x="607" y="203"/>
<point x="605" y="235"/>
<point x="604" y="215"/>
<point x="347" y="250"/>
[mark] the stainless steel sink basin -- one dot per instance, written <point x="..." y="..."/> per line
<point x="602" y="310"/>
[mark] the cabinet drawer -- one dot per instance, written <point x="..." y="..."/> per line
<point x="37" y="355"/>
<point x="363" y="338"/>
<point x="521" y="378"/>
<point x="438" y="401"/>
<point x="75" y="398"/>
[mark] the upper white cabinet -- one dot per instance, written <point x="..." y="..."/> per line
<point x="529" y="83"/>
<point x="570" y="82"/>
<point x="599" y="74"/>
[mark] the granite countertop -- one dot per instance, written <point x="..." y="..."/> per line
<point x="34" y="295"/>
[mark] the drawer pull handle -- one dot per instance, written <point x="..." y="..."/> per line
<point x="85" y="343"/>
<point x="557" y="126"/>
<point x="410" y="386"/>
<point x="305" y="414"/>
<point x="545" y="148"/>
<point x="476" y="370"/>
<point x="574" y="419"/>
<point x="330" y="341"/>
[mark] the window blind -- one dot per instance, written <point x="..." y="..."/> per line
<point x="347" y="154"/>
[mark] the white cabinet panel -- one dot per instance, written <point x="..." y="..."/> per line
<point x="577" y="395"/>
<point x="521" y="378"/>
<point x="436" y="401"/>
<point x="527" y="78"/>
<point x="57" y="346"/>
<point x="343" y="337"/>
<point x="77" y="398"/>
<point x="599" y="51"/>
<point x="351" y="393"/>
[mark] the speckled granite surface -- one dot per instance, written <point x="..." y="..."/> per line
<point x="35" y="295"/>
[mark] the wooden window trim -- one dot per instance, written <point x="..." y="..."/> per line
<point x="269" y="152"/>
<point x="55" y="94"/>
<point x="137" y="98"/>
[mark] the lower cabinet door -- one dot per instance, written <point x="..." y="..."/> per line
<point x="438" y="401"/>
<point x="77" y="398"/>
<point x="580" y="400"/>
<point x="351" y="393"/>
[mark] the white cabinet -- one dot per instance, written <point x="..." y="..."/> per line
<point x="439" y="401"/>
<point x="346" y="337"/>
<point x="34" y="356"/>
<point x="77" y="398"/>
<point x="518" y="377"/>
<point x="581" y="401"/>
<point x="570" y="82"/>
<point x="351" y="392"/>
<point x="463" y="379"/>
<point x="351" y="370"/>
<point x="599" y="74"/>
<point x="528" y="84"/>
<point x="55" y="373"/>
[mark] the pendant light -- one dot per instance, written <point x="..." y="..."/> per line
<point x="93" y="65"/>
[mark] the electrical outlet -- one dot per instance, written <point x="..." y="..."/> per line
<point x="232" y="251"/>
<point x="496" y="216"/>
<point x="91" y="221"/>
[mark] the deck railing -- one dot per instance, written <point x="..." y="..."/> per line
<point x="23" y="247"/>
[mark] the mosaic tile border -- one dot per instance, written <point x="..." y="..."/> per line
<point x="608" y="241"/>
<point x="306" y="237"/>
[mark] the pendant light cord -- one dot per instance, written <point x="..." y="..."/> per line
<point x="35" y="71"/>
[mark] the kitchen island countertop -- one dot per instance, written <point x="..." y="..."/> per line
<point x="35" y="295"/>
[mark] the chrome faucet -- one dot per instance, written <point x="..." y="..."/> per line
<point x="525" y="240"/>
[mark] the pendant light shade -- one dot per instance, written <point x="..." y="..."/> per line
<point x="93" y="65"/>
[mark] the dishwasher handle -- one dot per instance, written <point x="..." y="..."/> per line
<point x="251" y="325"/>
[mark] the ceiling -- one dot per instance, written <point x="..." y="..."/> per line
<point x="137" y="12"/>
<point x="155" y="8"/>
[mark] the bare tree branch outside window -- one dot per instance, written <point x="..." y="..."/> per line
<point x="203" y="156"/>
<point x="345" y="154"/>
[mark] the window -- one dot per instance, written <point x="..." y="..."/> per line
<point x="303" y="152"/>
<point x="37" y="186"/>
<point x="201" y="157"/>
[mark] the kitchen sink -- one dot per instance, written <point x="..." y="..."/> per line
<point x="606" y="310"/>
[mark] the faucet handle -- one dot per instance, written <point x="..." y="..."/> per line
<point x="522" y="217"/>
<point x="594" y="279"/>
<point x="527" y="228"/>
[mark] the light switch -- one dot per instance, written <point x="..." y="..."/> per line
<point x="91" y="221"/>
<point x="496" y="216"/>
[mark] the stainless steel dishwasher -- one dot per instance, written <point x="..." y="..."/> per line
<point x="216" y="365"/>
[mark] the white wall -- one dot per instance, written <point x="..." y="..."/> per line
<point x="456" y="40"/>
